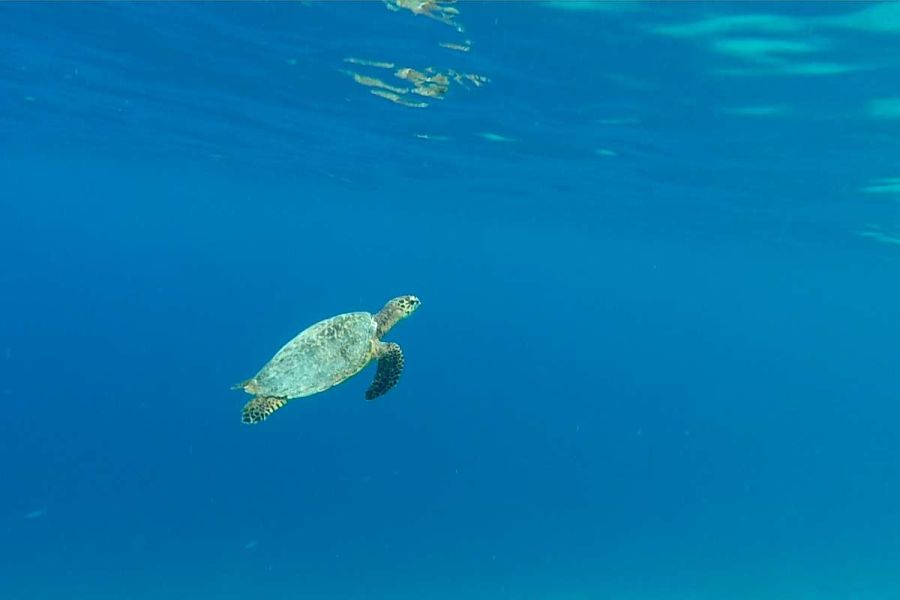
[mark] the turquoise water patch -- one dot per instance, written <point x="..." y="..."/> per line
<point x="820" y="68"/>
<point x="884" y="108"/>
<point x="495" y="137"/>
<point x="751" y="23"/>
<point x="762" y="48"/>
<point x="880" y="236"/>
<point x="883" y="17"/>
<point x="807" y="69"/>
<point x="592" y="5"/>
<point x="764" y="110"/>
<point x="885" y="185"/>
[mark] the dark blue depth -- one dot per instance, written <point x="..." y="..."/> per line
<point x="658" y="258"/>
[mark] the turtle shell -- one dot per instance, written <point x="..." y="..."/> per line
<point x="318" y="358"/>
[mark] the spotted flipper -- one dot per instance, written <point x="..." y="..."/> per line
<point x="390" y="365"/>
<point x="260" y="408"/>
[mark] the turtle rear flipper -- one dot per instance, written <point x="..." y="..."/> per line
<point x="390" y="365"/>
<point x="260" y="408"/>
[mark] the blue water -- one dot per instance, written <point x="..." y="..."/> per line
<point x="658" y="258"/>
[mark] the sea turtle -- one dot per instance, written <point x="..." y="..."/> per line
<point x="326" y="354"/>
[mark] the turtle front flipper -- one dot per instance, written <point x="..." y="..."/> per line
<point x="390" y="365"/>
<point x="260" y="408"/>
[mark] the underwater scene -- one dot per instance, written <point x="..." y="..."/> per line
<point x="435" y="300"/>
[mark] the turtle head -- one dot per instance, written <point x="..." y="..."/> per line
<point x="405" y="305"/>
<point x="396" y="309"/>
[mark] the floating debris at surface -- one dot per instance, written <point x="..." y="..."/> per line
<point x="369" y="63"/>
<point x="430" y="91"/>
<point x="431" y="83"/>
<point x="374" y="82"/>
<point x="478" y="80"/>
<point x="464" y="78"/>
<point x="428" y="82"/>
<point x="433" y="9"/>
<point x="458" y="47"/>
<point x="398" y="99"/>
